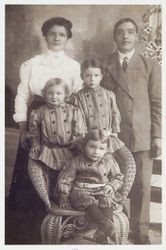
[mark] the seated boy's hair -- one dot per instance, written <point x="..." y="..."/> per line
<point x="91" y="63"/>
<point x="55" y="82"/>
<point x="95" y="135"/>
<point x="125" y="20"/>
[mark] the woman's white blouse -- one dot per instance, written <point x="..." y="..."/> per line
<point x="34" y="74"/>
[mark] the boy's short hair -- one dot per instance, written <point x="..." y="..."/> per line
<point x="55" y="82"/>
<point x="91" y="63"/>
<point x="61" y="21"/>
<point x="95" y="135"/>
<point x="125" y="20"/>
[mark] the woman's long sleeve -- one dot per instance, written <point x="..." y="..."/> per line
<point x="23" y="93"/>
<point x="77" y="81"/>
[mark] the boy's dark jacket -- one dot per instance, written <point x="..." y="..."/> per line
<point x="138" y="94"/>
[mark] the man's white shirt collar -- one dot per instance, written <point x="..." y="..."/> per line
<point x="122" y="56"/>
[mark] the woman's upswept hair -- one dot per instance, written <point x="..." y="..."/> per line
<point x="95" y="135"/>
<point x="55" y="82"/>
<point x="61" y="21"/>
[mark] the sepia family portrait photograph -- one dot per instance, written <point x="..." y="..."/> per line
<point x="83" y="124"/>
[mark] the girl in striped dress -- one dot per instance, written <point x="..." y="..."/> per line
<point x="52" y="129"/>
<point x="97" y="104"/>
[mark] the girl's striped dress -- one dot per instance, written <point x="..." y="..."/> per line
<point x="55" y="128"/>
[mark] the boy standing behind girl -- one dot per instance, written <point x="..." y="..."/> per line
<point x="97" y="104"/>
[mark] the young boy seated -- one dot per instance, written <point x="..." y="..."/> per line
<point x="92" y="180"/>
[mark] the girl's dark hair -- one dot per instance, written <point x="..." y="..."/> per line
<point x="95" y="135"/>
<point x="91" y="63"/>
<point x="55" y="82"/>
<point x="125" y="20"/>
<point x="61" y="21"/>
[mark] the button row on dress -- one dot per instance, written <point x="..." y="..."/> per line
<point x="90" y="106"/>
<point x="64" y="121"/>
<point x="68" y="132"/>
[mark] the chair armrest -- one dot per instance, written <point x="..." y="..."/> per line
<point x="128" y="168"/>
<point x="55" y="210"/>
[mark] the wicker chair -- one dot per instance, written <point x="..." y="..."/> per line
<point x="60" y="224"/>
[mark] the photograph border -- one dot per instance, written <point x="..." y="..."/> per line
<point x="2" y="119"/>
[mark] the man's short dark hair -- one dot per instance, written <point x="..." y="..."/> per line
<point x="61" y="21"/>
<point x="125" y="20"/>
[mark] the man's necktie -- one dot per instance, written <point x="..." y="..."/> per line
<point x="125" y="63"/>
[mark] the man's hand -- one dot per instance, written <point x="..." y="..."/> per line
<point x="35" y="149"/>
<point x="156" y="147"/>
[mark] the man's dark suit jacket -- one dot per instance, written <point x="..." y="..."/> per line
<point x="138" y="94"/>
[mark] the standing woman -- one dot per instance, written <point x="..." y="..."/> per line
<point x="34" y="73"/>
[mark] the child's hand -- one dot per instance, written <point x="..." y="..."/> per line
<point x="64" y="203"/>
<point x="109" y="190"/>
<point x="35" y="149"/>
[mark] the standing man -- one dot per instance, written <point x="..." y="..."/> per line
<point x="136" y="82"/>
